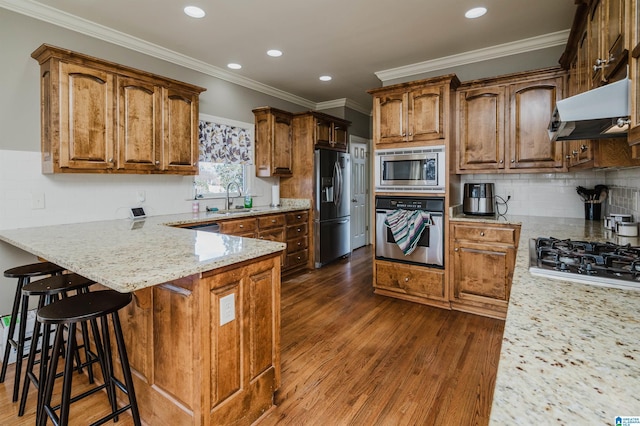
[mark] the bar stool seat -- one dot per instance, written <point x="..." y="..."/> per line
<point x="24" y="274"/>
<point x="98" y="305"/>
<point x="50" y="290"/>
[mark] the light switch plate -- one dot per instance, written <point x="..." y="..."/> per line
<point x="227" y="309"/>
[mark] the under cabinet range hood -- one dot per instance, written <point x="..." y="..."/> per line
<point x="595" y="114"/>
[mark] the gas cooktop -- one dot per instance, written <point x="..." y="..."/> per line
<point x="596" y="263"/>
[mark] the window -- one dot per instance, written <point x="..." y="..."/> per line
<point x="226" y="152"/>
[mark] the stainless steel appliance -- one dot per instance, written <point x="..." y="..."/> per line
<point x="479" y="199"/>
<point x="430" y="248"/>
<point x="596" y="263"/>
<point x="410" y="170"/>
<point x="331" y="221"/>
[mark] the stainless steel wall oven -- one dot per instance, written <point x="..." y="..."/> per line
<point x="430" y="248"/>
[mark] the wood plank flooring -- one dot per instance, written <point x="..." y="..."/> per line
<point x="350" y="357"/>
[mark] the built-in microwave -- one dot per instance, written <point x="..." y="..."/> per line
<point x="411" y="169"/>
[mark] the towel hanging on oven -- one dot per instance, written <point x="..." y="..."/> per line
<point x="407" y="227"/>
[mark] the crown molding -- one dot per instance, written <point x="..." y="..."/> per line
<point x="507" y="49"/>
<point x="62" y="19"/>
<point x="344" y="102"/>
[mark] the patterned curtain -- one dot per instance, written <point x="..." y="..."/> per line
<point x="221" y="143"/>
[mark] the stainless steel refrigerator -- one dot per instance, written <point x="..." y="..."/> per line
<point x="331" y="221"/>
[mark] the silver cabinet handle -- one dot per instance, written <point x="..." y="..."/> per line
<point x="157" y="162"/>
<point x="482" y="234"/>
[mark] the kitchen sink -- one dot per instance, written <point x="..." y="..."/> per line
<point x="238" y="211"/>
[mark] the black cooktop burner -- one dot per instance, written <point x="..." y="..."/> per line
<point x="590" y="261"/>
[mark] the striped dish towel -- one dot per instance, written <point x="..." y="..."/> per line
<point x="407" y="226"/>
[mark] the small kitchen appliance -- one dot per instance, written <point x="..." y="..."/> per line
<point x="479" y="199"/>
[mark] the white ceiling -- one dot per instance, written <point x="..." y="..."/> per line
<point x="350" y="40"/>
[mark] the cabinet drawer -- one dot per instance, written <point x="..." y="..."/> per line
<point x="272" y="235"/>
<point x="296" y="231"/>
<point x="295" y="218"/>
<point x="239" y="226"/>
<point x="296" y="259"/>
<point x="485" y="234"/>
<point x="411" y="279"/>
<point x="297" y="244"/>
<point x="270" y="221"/>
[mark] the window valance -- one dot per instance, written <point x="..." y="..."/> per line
<point x="224" y="143"/>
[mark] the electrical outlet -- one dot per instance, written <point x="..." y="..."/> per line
<point x="37" y="200"/>
<point x="141" y="196"/>
<point x="227" y="309"/>
<point x="509" y="194"/>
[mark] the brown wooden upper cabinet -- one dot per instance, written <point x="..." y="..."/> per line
<point x="98" y="116"/>
<point x="412" y="113"/>
<point x="605" y="39"/>
<point x="330" y="132"/>
<point x="634" y="59"/>
<point x="608" y="50"/>
<point x="273" y="146"/>
<point x="502" y="123"/>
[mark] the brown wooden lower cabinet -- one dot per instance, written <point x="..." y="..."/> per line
<point x="411" y="282"/>
<point x="291" y="228"/>
<point x="482" y="260"/>
<point x="188" y="368"/>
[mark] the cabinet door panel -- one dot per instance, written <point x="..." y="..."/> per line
<point x="181" y="138"/>
<point x="323" y="132"/>
<point x="481" y="272"/>
<point x="531" y="106"/>
<point x="426" y="114"/>
<point x="282" y="154"/>
<point x="481" y="126"/>
<point x="139" y="125"/>
<point x="86" y="118"/>
<point x="391" y="117"/>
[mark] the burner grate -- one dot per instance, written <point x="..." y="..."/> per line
<point x="586" y="260"/>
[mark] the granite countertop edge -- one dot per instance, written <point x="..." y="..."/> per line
<point x="128" y="255"/>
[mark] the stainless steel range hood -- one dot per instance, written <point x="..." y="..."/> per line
<point x="595" y="114"/>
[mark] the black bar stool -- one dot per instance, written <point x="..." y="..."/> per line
<point x="50" y="290"/>
<point x="70" y="311"/>
<point x="21" y="302"/>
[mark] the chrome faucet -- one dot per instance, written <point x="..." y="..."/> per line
<point x="229" y="201"/>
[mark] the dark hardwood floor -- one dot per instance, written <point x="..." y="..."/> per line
<point x="350" y="357"/>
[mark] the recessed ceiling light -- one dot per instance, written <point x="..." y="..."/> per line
<point x="325" y="78"/>
<point x="274" y="52"/>
<point x="234" y="66"/>
<point x="194" y="12"/>
<point x="476" y="12"/>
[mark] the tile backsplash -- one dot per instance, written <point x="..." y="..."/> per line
<point x="554" y="194"/>
<point x="624" y="191"/>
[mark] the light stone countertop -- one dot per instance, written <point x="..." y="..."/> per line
<point x="570" y="352"/>
<point x="128" y="255"/>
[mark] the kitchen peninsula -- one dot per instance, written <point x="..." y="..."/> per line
<point x="193" y="362"/>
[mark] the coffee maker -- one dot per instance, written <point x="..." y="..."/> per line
<point x="479" y="199"/>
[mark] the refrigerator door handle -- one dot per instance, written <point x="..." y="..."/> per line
<point x="337" y="178"/>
